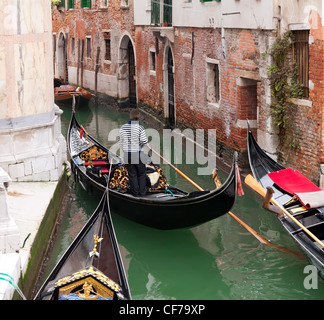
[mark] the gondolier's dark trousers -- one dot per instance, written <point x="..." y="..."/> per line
<point x="136" y="172"/>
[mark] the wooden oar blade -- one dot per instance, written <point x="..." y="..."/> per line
<point x="255" y="185"/>
<point x="250" y="181"/>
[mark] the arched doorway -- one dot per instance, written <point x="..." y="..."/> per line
<point x="169" y="94"/>
<point x="127" y="96"/>
<point x="61" y="70"/>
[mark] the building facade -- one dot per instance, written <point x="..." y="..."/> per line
<point x="32" y="147"/>
<point x="204" y="64"/>
<point x="94" y="46"/>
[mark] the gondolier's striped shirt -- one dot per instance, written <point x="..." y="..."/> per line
<point x="132" y="137"/>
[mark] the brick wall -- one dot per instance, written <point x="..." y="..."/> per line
<point x="238" y="101"/>
<point x="306" y="150"/>
<point x="82" y="23"/>
<point x="244" y="87"/>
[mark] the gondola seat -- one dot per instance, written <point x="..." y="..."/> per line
<point x="292" y="181"/>
<point x="97" y="163"/>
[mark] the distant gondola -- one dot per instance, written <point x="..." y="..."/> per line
<point x="65" y="93"/>
<point x="163" y="206"/>
<point x="291" y="191"/>
<point x="91" y="268"/>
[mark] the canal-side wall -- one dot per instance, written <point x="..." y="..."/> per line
<point x="42" y="241"/>
<point x="23" y="207"/>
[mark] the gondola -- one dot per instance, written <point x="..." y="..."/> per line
<point x="163" y="207"/>
<point x="92" y="267"/>
<point x="65" y="93"/>
<point x="291" y="190"/>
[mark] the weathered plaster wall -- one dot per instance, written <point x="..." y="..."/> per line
<point x="32" y="146"/>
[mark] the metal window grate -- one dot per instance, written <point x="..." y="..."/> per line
<point x="301" y="57"/>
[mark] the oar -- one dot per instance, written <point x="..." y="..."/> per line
<point x="177" y="170"/>
<point x="255" y="185"/>
<point x="253" y="232"/>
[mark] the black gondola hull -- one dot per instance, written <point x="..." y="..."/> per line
<point x="168" y="214"/>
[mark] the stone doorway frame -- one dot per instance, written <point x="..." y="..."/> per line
<point x="123" y="88"/>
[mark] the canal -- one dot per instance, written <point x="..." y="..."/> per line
<point x="214" y="261"/>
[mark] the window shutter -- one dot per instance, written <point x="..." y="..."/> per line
<point x="155" y="12"/>
<point x="301" y="57"/>
<point x="167" y="12"/>
<point x="70" y="4"/>
<point x="85" y="3"/>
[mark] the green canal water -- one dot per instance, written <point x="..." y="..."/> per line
<point x="218" y="260"/>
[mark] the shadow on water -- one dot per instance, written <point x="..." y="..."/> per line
<point x="216" y="260"/>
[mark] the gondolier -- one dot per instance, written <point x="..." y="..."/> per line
<point x="132" y="139"/>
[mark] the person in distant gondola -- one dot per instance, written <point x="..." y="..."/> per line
<point x="132" y="139"/>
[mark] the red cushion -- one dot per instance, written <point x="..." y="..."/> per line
<point x="104" y="170"/>
<point x="292" y="181"/>
<point x="97" y="163"/>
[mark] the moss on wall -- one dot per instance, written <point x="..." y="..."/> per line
<point x="43" y="238"/>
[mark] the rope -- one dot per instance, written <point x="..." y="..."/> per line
<point x="167" y="190"/>
<point x="11" y="281"/>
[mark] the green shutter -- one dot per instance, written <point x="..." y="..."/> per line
<point x="155" y="12"/>
<point x="85" y="3"/>
<point x="205" y="0"/>
<point x="167" y="12"/>
<point x="70" y="4"/>
<point x="62" y="4"/>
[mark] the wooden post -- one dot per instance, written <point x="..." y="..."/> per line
<point x="82" y="57"/>
<point x="65" y="60"/>
<point x="97" y="69"/>
<point x="79" y="55"/>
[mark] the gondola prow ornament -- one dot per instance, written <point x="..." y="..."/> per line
<point x="94" y="252"/>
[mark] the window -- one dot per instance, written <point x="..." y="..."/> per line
<point x="72" y="45"/>
<point x="212" y="81"/>
<point x="54" y="43"/>
<point x="62" y="4"/>
<point x="124" y="3"/>
<point x="152" y="61"/>
<point x="301" y="57"/>
<point x="107" y="46"/>
<point x="70" y="4"/>
<point x="85" y="3"/>
<point x="103" y="3"/>
<point x="161" y="12"/>
<point x="88" y="47"/>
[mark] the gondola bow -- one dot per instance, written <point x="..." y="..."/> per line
<point x="90" y="269"/>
